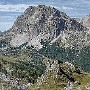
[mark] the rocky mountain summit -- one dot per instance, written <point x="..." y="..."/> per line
<point x="48" y="24"/>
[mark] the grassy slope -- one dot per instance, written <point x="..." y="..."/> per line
<point x="59" y="83"/>
<point x="20" y="59"/>
<point x="26" y="64"/>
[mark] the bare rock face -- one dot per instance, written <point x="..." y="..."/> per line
<point x="42" y="23"/>
<point x="86" y="21"/>
<point x="19" y="39"/>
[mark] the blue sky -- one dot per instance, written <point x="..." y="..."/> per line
<point x="10" y="9"/>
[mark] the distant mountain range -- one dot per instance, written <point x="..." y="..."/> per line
<point x="85" y="21"/>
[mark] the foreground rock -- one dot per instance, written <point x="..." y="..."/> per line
<point x="63" y="76"/>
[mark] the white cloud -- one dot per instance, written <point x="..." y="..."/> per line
<point x="66" y="8"/>
<point x="13" y="8"/>
<point x="85" y="2"/>
<point x="22" y="7"/>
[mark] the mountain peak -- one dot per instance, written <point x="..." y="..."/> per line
<point x="41" y="23"/>
<point x="43" y="9"/>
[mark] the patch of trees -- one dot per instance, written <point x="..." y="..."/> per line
<point x="76" y="56"/>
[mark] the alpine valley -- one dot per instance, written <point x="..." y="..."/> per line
<point x="45" y="50"/>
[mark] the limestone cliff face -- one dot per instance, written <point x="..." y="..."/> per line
<point x="86" y="21"/>
<point x="43" y="23"/>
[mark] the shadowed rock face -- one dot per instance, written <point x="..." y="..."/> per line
<point x="40" y="22"/>
<point x="0" y="33"/>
